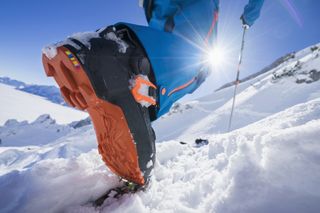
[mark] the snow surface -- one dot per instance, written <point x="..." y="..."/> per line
<point x="270" y="162"/>
<point x="21" y="106"/>
<point x="84" y="37"/>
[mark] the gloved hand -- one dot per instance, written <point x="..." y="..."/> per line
<point x="244" y="23"/>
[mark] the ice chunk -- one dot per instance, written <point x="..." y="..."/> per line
<point x="121" y="44"/>
<point x="85" y="37"/>
<point x="50" y="51"/>
<point x="149" y="164"/>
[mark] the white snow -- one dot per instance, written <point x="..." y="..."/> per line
<point x="50" y="51"/>
<point x="270" y="162"/>
<point x="84" y="37"/>
<point x="21" y="106"/>
<point x="122" y="45"/>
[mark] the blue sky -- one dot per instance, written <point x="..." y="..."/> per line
<point x="27" y="26"/>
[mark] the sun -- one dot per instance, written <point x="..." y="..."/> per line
<point x="216" y="57"/>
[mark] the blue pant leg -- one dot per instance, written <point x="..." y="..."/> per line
<point x="175" y="61"/>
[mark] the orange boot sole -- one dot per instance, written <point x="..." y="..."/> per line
<point x="115" y="141"/>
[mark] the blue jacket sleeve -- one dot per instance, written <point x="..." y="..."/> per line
<point x="252" y="11"/>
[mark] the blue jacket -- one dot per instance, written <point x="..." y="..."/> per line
<point x="179" y="33"/>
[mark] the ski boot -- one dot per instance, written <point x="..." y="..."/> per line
<point x="107" y="74"/>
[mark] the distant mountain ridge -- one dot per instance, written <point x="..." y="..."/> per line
<point x="51" y="93"/>
<point x="288" y="57"/>
<point x="12" y="82"/>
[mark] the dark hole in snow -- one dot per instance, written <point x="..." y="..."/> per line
<point x="201" y="141"/>
<point x="315" y="75"/>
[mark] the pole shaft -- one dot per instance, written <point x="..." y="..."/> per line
<point x="237" y="78"/>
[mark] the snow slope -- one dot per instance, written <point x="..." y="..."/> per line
<point x="270" y="162"/>
<point x="51" y="93"/>
<point x="20" y="105"/>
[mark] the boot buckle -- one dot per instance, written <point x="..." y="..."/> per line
<point x="140" y="90"/>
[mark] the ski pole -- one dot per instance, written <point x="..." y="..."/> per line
<point x="238" y="75"/>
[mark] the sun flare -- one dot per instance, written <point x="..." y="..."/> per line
<point x="216" y="57"/>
